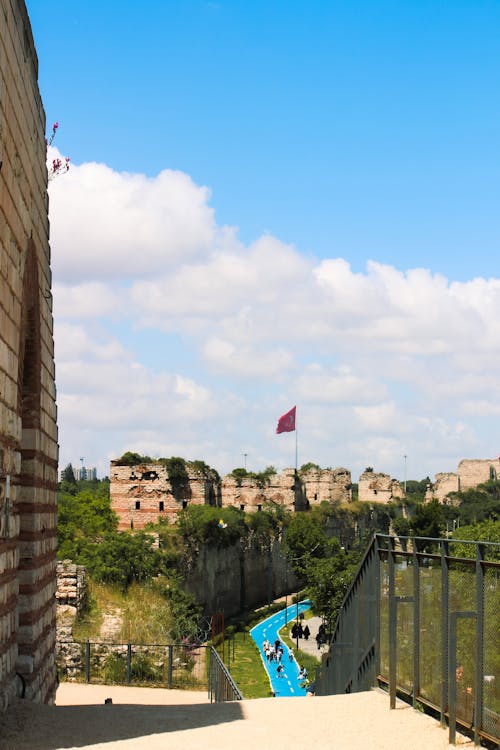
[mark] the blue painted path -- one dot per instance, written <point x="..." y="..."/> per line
<point x="287" y="685"/>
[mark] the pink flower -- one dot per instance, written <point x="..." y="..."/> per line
<point x="55" y="126"/>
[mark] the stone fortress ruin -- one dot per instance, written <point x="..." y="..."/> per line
<point x="28" y="430"/>
<point x="144" y="493"/>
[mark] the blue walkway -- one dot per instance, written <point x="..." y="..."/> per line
<point x="287" y="684"/>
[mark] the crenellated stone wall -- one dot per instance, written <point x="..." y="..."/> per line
<point x="144" y="493"/>
<point x="28" y="430"/>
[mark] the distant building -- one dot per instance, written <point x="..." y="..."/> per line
<point x="85" y="473"/>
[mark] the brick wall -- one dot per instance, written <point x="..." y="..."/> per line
<point x="28" y="431"/>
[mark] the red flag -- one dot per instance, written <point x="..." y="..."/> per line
<point x="286" y="423"/>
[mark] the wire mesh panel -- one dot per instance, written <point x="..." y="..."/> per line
<point x="384" y="616"/>
<point x="430" y="657"/>
<point x="405" y="622"/>
<point x="189" y="667"/>
<point x="491" y="661"/>
<point x="462" y="600"/>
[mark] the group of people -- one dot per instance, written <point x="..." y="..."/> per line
<point x="275" y="652"/>
<point x="299" y="632"/>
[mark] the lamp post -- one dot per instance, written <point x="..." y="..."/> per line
<point x="405" y="457"/>
<point x="295" y="559"/>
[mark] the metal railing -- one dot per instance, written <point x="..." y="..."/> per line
<point x="422" y="617"/>
<point x="177" y="666"/>
<point x="221" y="686"/>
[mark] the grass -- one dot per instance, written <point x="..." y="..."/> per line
<point x="303" y="659"/>
<point x="153" y="625"/>
<point x="243" y="660"/>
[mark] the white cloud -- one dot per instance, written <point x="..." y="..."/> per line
<point x="118" y="225"/>
<point x="381" y="363"/>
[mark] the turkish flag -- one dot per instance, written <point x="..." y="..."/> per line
<point x="286" y="423"/>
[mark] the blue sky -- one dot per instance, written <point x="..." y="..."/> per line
<point x="343" y="158"/>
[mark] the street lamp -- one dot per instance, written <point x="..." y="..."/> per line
<point x="295" y="559"/>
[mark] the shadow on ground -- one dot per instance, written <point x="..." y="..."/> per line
<point x="34" y="727"/>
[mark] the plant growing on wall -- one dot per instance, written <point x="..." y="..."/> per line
<point x="59" y="165"/>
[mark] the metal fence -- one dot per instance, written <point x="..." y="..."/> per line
<point x="221" y="686"/>
<point x="177" y="666"/>
<point x="422" y="617"/>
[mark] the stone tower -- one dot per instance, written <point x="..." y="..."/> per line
<point x="28" y="431"/>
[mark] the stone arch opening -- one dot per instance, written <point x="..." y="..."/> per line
<point x="29" y="390"/>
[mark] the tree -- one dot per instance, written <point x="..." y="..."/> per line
<point x="428" y="521"/>
<point x="329" y="579"/>
<point x="84" y="517"/>
<point x="305" y="539"/>
<point x="123" y="559"/>
<point x="68" y="475"/>
<point x="309" y="467"/>
<point x="132" y="459"/>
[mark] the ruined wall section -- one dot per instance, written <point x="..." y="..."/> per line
<point x="378" y="488"/>
<point x="327" y="485"/>
<point x="237" y="578"/>
<point x="445" y="482"/>
<point x="28" y="431"/>
<point x="248" y="495"/>
<point x="477" y="471"/>
<point x="313" y="487"/>
<point x="145" y="493"/>
<point x="470" y="473"/>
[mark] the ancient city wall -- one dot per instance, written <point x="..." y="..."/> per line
<point x="378" y="488"/>
<point x="476" y="471"/>
<point x="233" y="579"/>
<point x="470" y="473"/>
<point x="144" y="493"/>
<point x="28" y="432"/>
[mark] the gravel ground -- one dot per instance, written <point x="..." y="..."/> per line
<point x="154" y="719"/>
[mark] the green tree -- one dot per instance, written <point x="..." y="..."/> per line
<point x="122" y="559"/>
<point x="83" y="518"/>
<point x="328" y="581"/>
<point x="132" y="459"/>
<point x="428" y="521"/>
<point x="305" y="539"/>
<point x="308" y="467"/>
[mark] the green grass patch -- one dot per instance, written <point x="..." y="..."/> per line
<point x="242" y="657"/>
<point x="303" y="659"/>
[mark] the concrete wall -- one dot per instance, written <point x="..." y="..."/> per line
<point x="28" y="432"/>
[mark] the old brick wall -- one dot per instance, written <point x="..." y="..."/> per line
<point x="28" y="432"/>
<point x="144" y="494"/>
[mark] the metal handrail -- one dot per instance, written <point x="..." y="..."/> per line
<point x="221" y="686"/>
